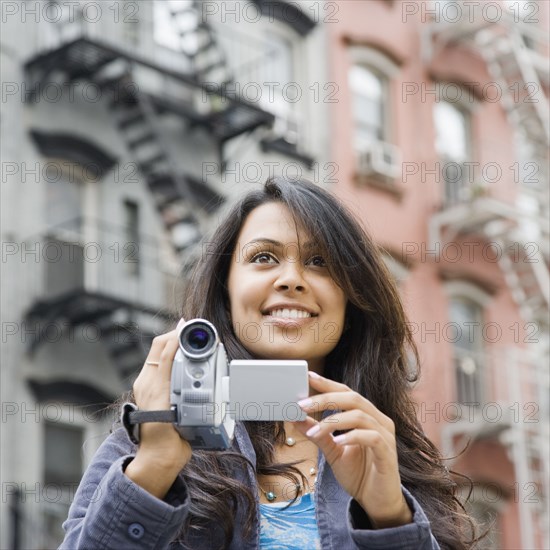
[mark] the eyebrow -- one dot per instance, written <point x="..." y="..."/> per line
<point x="263" y="240"/>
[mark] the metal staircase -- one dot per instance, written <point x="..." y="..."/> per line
<point x="183" y="201"/>
<point x="199" y="44"/>
<point x="126" y="339"/>
<point x="515" y="68"/>
<point x="516" y="56"/>
<point x="141" y="95"/>
<point x="175" y="199"/>
<point x="515" y="397"/>
<point x="526" y="273"/>
<point x="509" y="62"/>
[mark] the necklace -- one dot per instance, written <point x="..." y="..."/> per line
<point x="290" y="441"/>
<point x="271" y="495"/>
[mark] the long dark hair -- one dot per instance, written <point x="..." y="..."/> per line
<point x="373" y="358"/>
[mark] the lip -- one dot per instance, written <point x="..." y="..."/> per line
<point x="281" y="322"/>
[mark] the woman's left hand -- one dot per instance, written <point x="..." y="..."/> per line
<point x="364" y="460"/>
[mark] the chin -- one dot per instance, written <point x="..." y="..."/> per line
<point x="284" y="352"/>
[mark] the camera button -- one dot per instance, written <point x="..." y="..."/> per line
<point x="136" y="531"/>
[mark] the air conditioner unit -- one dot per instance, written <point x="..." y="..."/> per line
<point x="287" y="128"/>
<point x="380" y="160"/>
<point x="287" y="124"/>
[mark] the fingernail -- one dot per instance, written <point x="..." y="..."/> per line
<point x="180" y="323"/>
<point x="313" y="374"/>
<point x="339" y="438"/>
<point x="305" y="403"/>
<point x="313" y="431"/>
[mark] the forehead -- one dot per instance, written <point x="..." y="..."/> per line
<point x="272" y="221"/>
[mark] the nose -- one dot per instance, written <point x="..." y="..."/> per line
<point x="291" y="277"/>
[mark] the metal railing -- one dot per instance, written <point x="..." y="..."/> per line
<point x="99" y="256"/>
<point x="504" y="393"/>
<point x="507" y="377"/>
<point x="254" y="63"/>
<point x="133" y="33"/>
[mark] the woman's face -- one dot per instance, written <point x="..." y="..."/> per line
<point x="284" y="303"/>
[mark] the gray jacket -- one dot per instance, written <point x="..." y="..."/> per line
<point x="110" y="511"/>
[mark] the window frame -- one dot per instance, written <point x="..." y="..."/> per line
<point x="132" y="207"/>
<point x="463" y="290"/>
<point x="94" y="428"/>
<point x="387" y="70"/>
<point x="494" y="504"/>
<point x="384" y="85"/>
<point x="462" y="188"/>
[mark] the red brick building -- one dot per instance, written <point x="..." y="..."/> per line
<point x="441" y="137"/>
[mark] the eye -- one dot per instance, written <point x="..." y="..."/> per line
<point x="263" y="258"/>
<point x="317" y="261"/>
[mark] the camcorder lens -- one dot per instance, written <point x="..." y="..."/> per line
<point x="198" y="339"/>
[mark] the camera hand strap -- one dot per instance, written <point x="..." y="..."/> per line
<point x="131" y="417"/>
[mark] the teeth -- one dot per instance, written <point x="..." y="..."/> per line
<point x="290" y="313"/>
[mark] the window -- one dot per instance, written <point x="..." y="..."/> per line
<point x="452" y="143"/>
<point x="64" y="220"/>
<point x="63" y="195"/>
<point x="130" y="22"/>
<point x="280" y="64"/>
<point x="485" y="505"/>
<point x="368" y="90"/>
<point x="466" y="337"/>
<point x="464" y="332"/>
<point x="369" y="82"/>
<point x="487" y="519"/>
<point x="131" y="244"/>
<point x="276" y="71"/>
<point x="63" y="467"/>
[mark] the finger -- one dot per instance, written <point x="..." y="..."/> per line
<point x="167" y="356"/>
<point x="384" y="458"/>
<point x="323" y="384"/>
<point x="304" y="425"/>
<point x="354" y="419"/>
<point x="156" y="349"/>
<point x="159" y="343"/>
<point x="347" y="400"/>
<point x="323" y="440"/>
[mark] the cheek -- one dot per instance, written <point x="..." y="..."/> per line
<point x="338" y="300"/>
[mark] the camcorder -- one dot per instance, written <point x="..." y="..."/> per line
<point x="208" y="394"/>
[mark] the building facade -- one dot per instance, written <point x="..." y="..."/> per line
<point x="128" y="126"/>
<point x="441" y="137"/>
<point x="126" y="129"/>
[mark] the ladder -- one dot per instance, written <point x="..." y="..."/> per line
<point x="527" y="442"/>
<point x="198" y="42"/>
<point x="137" y="121"/>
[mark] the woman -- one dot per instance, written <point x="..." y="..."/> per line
<point x="291" y="260"/>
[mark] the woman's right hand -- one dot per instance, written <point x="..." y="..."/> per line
<point x="162" y="453"/>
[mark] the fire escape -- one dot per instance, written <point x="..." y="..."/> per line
<point x="143" y="96"/>
<point x="516" y="56"/>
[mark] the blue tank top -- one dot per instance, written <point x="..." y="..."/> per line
<point x="292" y="529"/>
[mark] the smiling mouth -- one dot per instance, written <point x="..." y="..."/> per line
<point x="289" y="314"/>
